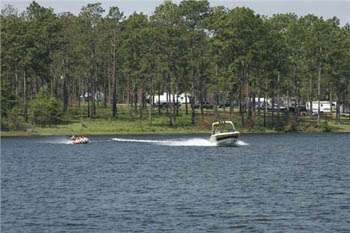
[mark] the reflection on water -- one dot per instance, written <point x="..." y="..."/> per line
<point x="278" y="183"/>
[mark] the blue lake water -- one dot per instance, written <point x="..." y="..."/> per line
<point x="179" y="183"/>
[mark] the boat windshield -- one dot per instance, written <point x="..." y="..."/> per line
<point x="223" y="128"/>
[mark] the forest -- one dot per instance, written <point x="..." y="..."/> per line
<point x="56" y="66"/>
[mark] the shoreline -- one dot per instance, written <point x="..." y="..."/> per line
<point x="12" y="134"/>
<point x="160" y="126"/>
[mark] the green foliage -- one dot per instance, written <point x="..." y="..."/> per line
<point x="8" y="98"/>
<point x="16" y="120"/>
<point x="45" y="109"/>
<point x="184" y="47"/>
<point x="325" y="127"/>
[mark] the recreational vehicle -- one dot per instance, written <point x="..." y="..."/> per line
<point x="325" y="106"/>
<point x="165" y="98"/>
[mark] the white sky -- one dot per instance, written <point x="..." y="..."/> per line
<point x="324" y="8"/>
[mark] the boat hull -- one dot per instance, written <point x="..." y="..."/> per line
<point x="225" y="139"/>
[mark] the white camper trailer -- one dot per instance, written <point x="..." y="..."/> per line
<point x="325" y="106"/>
<point x="259" y="102"/>
<point x="183" y="98"/>
<point x="165" y="98"/>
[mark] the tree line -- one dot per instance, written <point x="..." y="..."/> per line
<point x="231" y="55"/>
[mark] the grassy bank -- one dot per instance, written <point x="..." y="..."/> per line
<point x="101" y="127"/>
<point x="128" y="122"/>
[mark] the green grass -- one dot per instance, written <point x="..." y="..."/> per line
<point x="344" y="127"/>
<point x="108" y="126"/>
<point x="129" y="122"/>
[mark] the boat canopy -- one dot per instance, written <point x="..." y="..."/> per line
<point x="223" y="126"/>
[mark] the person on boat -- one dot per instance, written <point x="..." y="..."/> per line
<point x="76" y="139"/>
<point x="79" y="139"/>
<point x="83" y="139"/>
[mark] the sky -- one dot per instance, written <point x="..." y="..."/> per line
<point x="324" y="8"/>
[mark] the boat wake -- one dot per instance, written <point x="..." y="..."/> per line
<point x="241" y="143"/>
<point x="173" y="142"/>
<point x="200" y="142"/>
<point x="177" y="142"/>
<point x="59" y="141"/>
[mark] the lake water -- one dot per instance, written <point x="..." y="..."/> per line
<point x="268" y="183"/>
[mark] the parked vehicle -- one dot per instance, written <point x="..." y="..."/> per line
<point x="275" y="108"/>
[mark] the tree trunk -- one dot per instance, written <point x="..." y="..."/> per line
<point x="174" y="111"/>
<point x="216" y="96"/>
<point x="310" y="97"/>
<point x="338" y="110"/>
<point x="128" y="94"/>
<point x="88" y="100"/>
<point x="319" y="95"/>
<point x="143" y="99"/>
<point x="135" y="98"/>
<point x="278" y="98"/>
<point x="114" y="98"/>
<point x="201" y="107"/>
<point x="193" y="117"/>
<point x="105" y="91"/>
<point x="65" y="94"/>
<point x="273" y="102"/>
<point x="78" y="94"/>
<point x="241" y="106"/>
<point x="253" y="109"/>
<point x="192" y="100"/>
<point x="186" y="104"/>
<point x="296" y="94"/>
<point x="259" y="101"/>
<point x="177" y="100"/>
<point x="168" y="99"/>
<point x="265" y="105"/>
<point x="151" y="102"/>
<point x="16" y="81"/>
<point x="94" y="100"/>
<point x="159" y="103"/>
<point x="231" y="97"/>
<point x="25" y="96"/>
<point x="114" y="80"/>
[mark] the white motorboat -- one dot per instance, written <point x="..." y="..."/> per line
<point x="224" y="133"/>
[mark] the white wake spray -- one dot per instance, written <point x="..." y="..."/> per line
<point x="177" y="142"/>
<point x="58" y="141"/>
<point x="241" y="143"/>
<point x="172" y="142"/>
